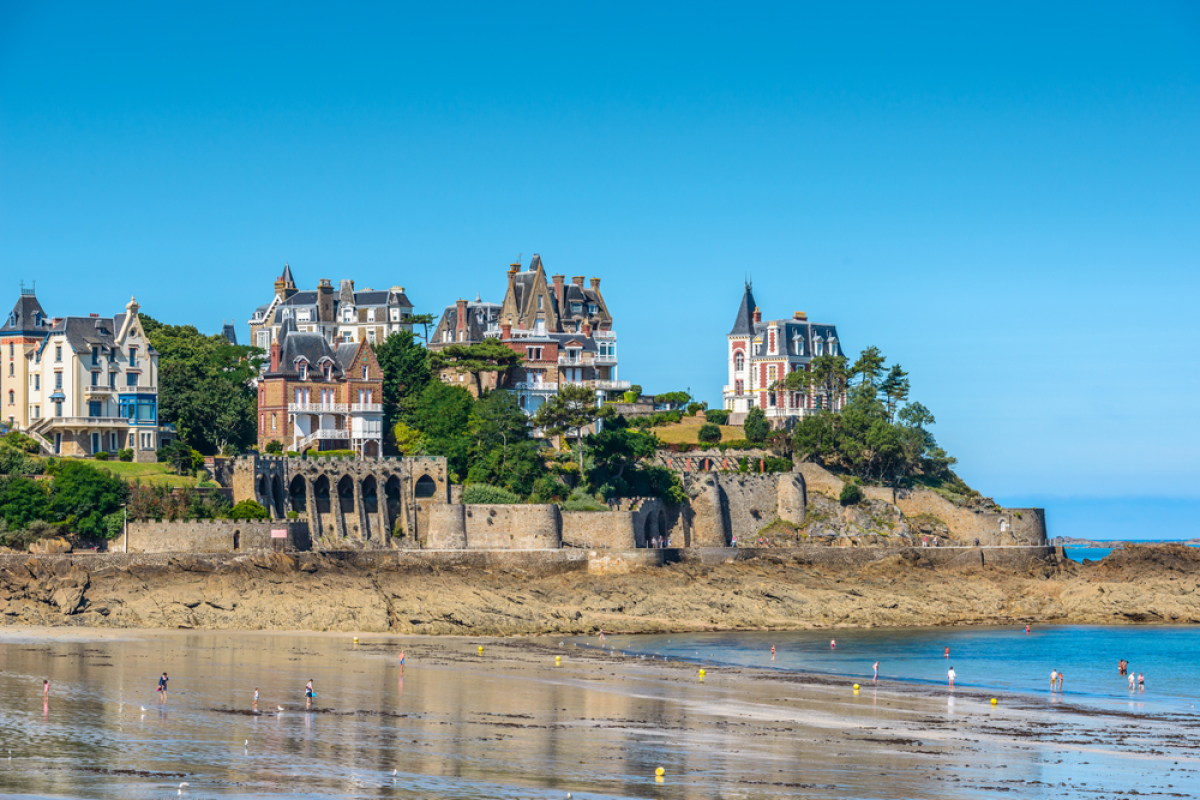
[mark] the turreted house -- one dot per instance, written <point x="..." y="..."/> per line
<point x="26" y="326"/>
<point x="315" y="395"/>
<point x="342" y="315"/>
<point x="762" y="353"/>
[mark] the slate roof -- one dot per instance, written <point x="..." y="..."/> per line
<point x="84" y="333"/>
<point x="312" y="347"/>
<point x="286" y="277"/>
<point x="21" y="319"/>
<point x="479" y="314"/>
<point x="743" y="324"/>
<point x="230" y="333"/>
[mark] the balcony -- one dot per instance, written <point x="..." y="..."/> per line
<point x="366" y="408"/>
<point x="323" y="434"/>
<point x="604" y="335"/>
<point x="84" y="422"/>
<point x="602" y="358"/>
<point x="317" y="408"/>
<point x="613" y="386"/>
<point x="542" y="387"/>
<point x="579" y="361"/>
<point x="98" y="390"/>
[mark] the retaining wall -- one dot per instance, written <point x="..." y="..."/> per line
<point x="211" y="536"/>
<point x="512" y="527"/>
<point x="598" y="529"/>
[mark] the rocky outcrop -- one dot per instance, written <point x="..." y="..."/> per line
<point x="319" y="592"/>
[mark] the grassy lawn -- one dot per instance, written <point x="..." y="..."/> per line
<point x="156" y="474"/>
<point x="688" y="428"/>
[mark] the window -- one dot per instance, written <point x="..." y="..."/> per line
<point x="303" y="315"/>
<point x="94" y="408"/>
<point x="95" y="356"/>
<point x="58" y="381"/>
<point x="348" y="315"/>
<point x="37" y="412"/>
<point x="287" y="313"/>
<point x="273" y="420"/>
<point x="133" y="357"/>
<point x="576" y="308"/>
<point x="739" y="387"/>
<point x="593" y="309"/>
<point x="395" y="315"/>
<point x="131" y="379"/>
<point x="328" y="370"/>
<point x="371" y="335"/>
<point x="112" y="441"/>
<point x="739" y="361"/>
<point x="95" y="379"/>
<point x="58" y="352"/>
<point x="370" y="315"/>
<point x="37" y="382"/>
<point x="771" y="374"/>
<point x="541" y="326"/>
<point x="366" y="373"/>
<point x="539" y="302"/>
<point x="303" y="369"/>
<point x="58" y="409"/>
<point x="264" y="340"/>
<point x="112" y="380"/>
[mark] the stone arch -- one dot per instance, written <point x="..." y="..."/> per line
<point x="370" y="494"/>
<point x="369" y="501"/>
<point x="261" y="492"/>
<point x="425" y="487"/>
<point x="277" y="507"/>
<point x="237" y="540"/>
<point x="345" y="493"/>
<point x="371" y="449"/>
<point x="298" y="495"/>
<point x="321" y="494"/>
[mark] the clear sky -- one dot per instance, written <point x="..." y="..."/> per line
<point x="1004" y="198"/>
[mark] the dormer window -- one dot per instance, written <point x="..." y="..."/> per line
<point x="370" y="315"/>
<point x="799" y="342"/>
<point x="576" y="308"/>
<point x="287" y="313"/>
<point x="348" y="315"/>
<point x="593" y="309"/>
<point x="302" y="367"/>
<point x="328" y="370"/>
<point x="303" y="315"/>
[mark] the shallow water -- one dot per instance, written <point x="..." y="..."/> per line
<point x="999" y="658"/>
<point x="509" y="724"/>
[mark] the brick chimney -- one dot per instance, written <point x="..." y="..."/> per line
<point x="461" y="322"/>
<point x="578" y="280"/>
<point x="587" y="328"/>
<point x="595" y="284"/>
<point x="757" y="315"/>
<point x="275" y="356"/>
<point x="558" y="290"/>
<point x="324" y="300"/>
<point x="506" y="330"/>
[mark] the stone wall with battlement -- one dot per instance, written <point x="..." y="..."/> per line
<point x="212" y="536"/>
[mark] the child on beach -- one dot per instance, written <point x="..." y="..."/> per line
<point x="162" y="688"/>
<point x="950" y="675"/>
<point x="308" y="694"/>
<point x="256" y="697"/>
<point x="46" y="688"/>
<point x="875" y="678"/>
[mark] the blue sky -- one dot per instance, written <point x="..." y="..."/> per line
<point x="1005" y="199"/>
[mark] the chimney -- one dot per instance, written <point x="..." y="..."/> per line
<point x="578" y="281"/>
<point x="587" y="328"/>
<point x="461" y="321"/>
<point x="324" y="300"/>
<point x="93" y="316"/>
<point x="506" y="330"/>
<point x="275" y="357"/>
<point x="757" y="315"/>
<point x="595" y="284"/>
<point x="558" y="291"/>
<point x="513" y="269"/>
<point x="800" y="315"/>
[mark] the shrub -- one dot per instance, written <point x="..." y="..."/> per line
<point x="709" y="433"/>
<point x="114" y="525"/>
<point x="546" y="490"/>
<point x="581" y="500"/>
<point x="717" y="416"/>
<point x="274" y="447"/>
<point x="330" y="454"/>
<point x="208" y="484"/>
<point x="22" y="442"/>
<point x="101" y="456"/>
<point x="692" y="408"/>
<point x="851" y="493"/>
<point x="125" y="454"/>
<point x="249" y="509"/>
<point x="772" y="464"/>
<point x="756" y="426"/>
<point x="292" y="454"/>
<point x="485" y="493"/>
<point x="631" y="397"/>
<point x="293" y="515"/>
<point x="21" y="538"/>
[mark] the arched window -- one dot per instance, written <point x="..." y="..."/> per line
<point x="366" y="372"/>
<point x="426" y="487"/>
<point x="12" y="397"/>
<point x="739" y="361"/>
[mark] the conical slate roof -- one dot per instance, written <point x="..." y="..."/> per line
<point x="744" y="324"/>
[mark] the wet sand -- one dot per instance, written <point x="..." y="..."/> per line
<point x="510" y="723"/>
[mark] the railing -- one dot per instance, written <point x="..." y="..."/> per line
<point x="604" y="334"/>
<point x="79" y="422"/>
<point x="569" y="361"/>
<point x="535" y="386"/>
<point x="604" y="358"/>
<point x="609" y="386"/>
<point x="323" y="433"/>
<point x="317" y="408"/>
<point x="367" y="408"/>
<point x="98" y="389"/>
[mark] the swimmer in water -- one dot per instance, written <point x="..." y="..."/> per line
<point x="833" y="644"/>
<point x="1141" y="681"/>
<point x="772" y="652"/>
<point x="1060" y="680"/>
<point x="1027" y="629"/>
<point x="947" y="652"/>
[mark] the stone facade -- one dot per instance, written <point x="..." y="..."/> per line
<point x="362" y="501"/>
<point x="723" y="505"/>
<point x="212" y="536"/>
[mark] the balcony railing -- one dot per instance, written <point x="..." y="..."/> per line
<point x="317" y="408"/>
<point x="366" y="408"/>
<point x="603" y="358"/>
<point x="545" y="387"/>
<point x="604" y="334"/>
<point x="320" y="434"/>
<point x="585" y="360"/>
<point x="611" y="386"/>
<point x="85" y="422"/>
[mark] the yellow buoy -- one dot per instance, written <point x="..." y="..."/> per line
<point x="356" y="640"/>
<point x="701" y="673"/>
<point x="660" y="772"/>
<point x="993" y="701"/>
<point x="480" y="649"/>
<point x="856" y="687"/>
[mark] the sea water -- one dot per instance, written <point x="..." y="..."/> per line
<point x="996" y="658"/>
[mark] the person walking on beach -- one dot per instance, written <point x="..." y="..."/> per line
<point x="308" y="694"/>
<point x="46" y="688"/>
<point x="951" y="676"/>
<point x="875" y="677"/>
<point x="1141" y="682"/>
<point x="1060" y="680"/>
<point x="772" y="652"/>
<point x="162" y="688"/>
<point x="1132" y="678"/>
<point x="401" y="663"/>
<point x="256" y="697"/>
<point x="1053" y="679"/>
<point x="947" y="652"/>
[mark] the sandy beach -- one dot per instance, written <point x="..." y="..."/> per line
<point x="511" y="723"/>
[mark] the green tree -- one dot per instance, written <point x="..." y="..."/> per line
<point x="673" y="399"/>
<point x="442" y="412"/>
<point x="22" y="501"/>
<point x="894" y="390"/>
<point x="869" y="366"/>
<point x="483" y="494"/>
<point x="249" y="509"/>
<point x="82" y="496"/>
<point x="828" y="378"/>
<point x="710" y="433"/>
<point x="503" y="451"/>
<point x="915" y="415"/>
<point x="406" y="373"/>
<point x="204" y="386"/>
<point x="424" y="320"/>
<point x="409" y="441"/>
<point x="490" y="355"/>
<point x="619" y="452"/>
<point x="274" y="447"/>
<point x="756" y="426"/>
<point x="572" y="409"/>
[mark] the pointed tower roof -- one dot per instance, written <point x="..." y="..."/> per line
<point x="287" y="274"/>
<point x="744" y="324"/>
<point x="27" y="315"/>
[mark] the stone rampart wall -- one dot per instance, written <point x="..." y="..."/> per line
<point x="605" y="529"/>
<point x="214" y="536"/>
<point x="512" y="527"/>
